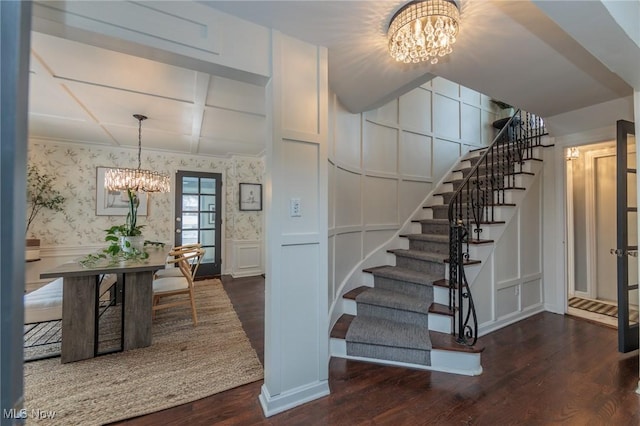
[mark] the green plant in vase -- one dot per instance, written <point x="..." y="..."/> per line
<point x="125" y="241"/>
<point x="40" y="194"/>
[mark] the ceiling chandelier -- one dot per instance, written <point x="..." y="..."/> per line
<point x="136" y="179"/>
<point x="423" y="31"/>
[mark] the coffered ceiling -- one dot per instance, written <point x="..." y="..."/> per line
<point x="85" y="94"/>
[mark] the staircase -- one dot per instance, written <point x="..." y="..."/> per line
<point x="419" y="313"/>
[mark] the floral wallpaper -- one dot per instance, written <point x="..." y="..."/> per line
<point x="74" y="168"/>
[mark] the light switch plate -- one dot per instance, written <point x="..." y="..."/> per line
<point x="294" y="207"/>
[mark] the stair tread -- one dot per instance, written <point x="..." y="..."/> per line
<point x="394" y="300"/>
<point x="353" y="294"/>
<point x="440" y="238"/>
<point x="421" y="255"/>
<point x="339" y="330"/>
<point x="384" y="332"/>
<point x="429" y="256"/>
<point x="447" y="342"/>
<point x="440" y="309"/>
<point x="404" y="274"/>
<point x="432" y="221"/>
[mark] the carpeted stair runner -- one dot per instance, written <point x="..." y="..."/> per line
<point x="392" y="321"/>
<point x="380" y="338"/>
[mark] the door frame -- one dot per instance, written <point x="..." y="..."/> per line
<point x="223" y="216"/>
<point x="590" y="215"/>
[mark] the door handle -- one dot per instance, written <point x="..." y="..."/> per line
<point x="632" y="253"/>
<point x="178" y="231"/>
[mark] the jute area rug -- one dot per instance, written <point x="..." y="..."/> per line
<point x="183" y="364"/>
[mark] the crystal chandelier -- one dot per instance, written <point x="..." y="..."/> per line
<point x="136" y="179"/>
<point x="423" y="31"/>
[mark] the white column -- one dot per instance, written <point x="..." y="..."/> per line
<point x="296" y="301"/>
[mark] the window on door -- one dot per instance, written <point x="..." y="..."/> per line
<point x="198" y="217"/>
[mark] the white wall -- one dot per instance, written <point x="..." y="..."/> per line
<point x="383" y="164"/>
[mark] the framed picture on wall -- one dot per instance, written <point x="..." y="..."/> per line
<point x="250" y="196"/>
<point x="115" y="203"/>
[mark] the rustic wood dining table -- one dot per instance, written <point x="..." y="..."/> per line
<point x="80" y="303"/>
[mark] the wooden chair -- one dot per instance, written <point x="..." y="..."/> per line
<point x="179" y="285"/>
<point x="186" y="249"/>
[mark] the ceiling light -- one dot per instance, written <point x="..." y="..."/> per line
<point x="423" y="31"/>
<point x="136" y="179"/>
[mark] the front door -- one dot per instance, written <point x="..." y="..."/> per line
<point x="627" y="238"/>
<point x="198" y="217"/>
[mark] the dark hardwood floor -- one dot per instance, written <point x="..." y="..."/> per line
<point x="548" y="369"/>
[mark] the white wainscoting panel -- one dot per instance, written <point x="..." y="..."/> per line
<point x="300" y="100"/>
<point x="380" y="148"/>
<point x="470" y="96"/>
<point x="508" y="253"/>
<point x="470" y="123"/>
<point x="445" y="87"/>
<point x="414" y="149"/>
<point x="415" y="110"/>
<point x="348" y="192"/>
<point x="247" y="259"/>
<point x="380" y="201"/>
<point x="482" y="291"/>
<point x="347" y="137"/>
<point x="531" y="293"/>
<point x="302" y="177"/>
<point x="349" y="246"/>
<point x="411" y="194"/>
<point x="373" y="239"/>
<point x="446" y="117"/>
<point x="507" y="301"/>
<point x="445" y="153"/>
<point x="530" y="231"/>
<point x="387" y="114"/>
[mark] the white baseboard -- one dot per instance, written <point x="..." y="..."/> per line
<point x="272" y="405"/>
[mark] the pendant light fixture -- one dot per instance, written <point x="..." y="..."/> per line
<point x="122" y="179"/>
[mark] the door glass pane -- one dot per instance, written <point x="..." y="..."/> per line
<point x="208" y="220"/>
<point x="189" y="185"/>
<point x="189" y="237"/>
<point x="207" y="186"/>
<point x="189" y="220"/>
<point x="208" y="237"/>
<point x="190" y="203"/>
<point x="208" y="202"/>
<point x="209" y="255"/>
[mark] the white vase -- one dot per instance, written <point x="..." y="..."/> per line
<point x="127" y="244"/>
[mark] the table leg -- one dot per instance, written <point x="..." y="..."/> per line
<point x="138" y="291"/>
<point x="78" y="318"/>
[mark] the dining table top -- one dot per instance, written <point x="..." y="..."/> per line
<point x="157" y="260"/>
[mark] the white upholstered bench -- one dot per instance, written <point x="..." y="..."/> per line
<point x="45" y="303"/>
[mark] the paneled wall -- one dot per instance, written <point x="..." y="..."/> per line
<point x="74" y="167"/>
<point x="510" y="283"/>
<point x="385" y="162"/>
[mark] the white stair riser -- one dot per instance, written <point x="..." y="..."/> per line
<point x="441" y="295"/>
<point x="440" y="323"/>
<point x="350" y="306"/>
<point x="467" y="364"/>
